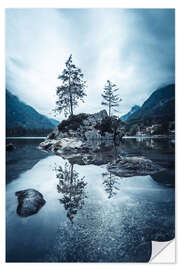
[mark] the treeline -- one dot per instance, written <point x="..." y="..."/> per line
<point x="20" y="131"/>
<point x="163" y="126"/>
<point x="164" y="121"/>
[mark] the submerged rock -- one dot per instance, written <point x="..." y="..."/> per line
<point x="10" y="147"/>
<point x="30" y="201"/>
<point x="133" y="166"/>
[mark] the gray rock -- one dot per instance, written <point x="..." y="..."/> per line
<point x="86" y="128"/>
<point x="73" y="137"/>
<point x="30" y="201"/>
<point x="133" y="166"/>
<point x="10" y="147"/>
<point x="47" y="144"/>
<point x="92" y="135"/>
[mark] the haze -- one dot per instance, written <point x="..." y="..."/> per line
<point x="133" y="48"/>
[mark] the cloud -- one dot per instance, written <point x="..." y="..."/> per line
<point x="132" y="47"/>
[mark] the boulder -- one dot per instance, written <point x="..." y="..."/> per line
<point x="30" y="201"/>
<point x="10" y="147"/>
<point x="133" y="166"/>
<point x="47" y="144"/>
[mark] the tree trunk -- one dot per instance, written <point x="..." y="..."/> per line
<point x="71" y="105"/>
<point x="70" y="96"/>
<point x="109" y="109"/>
<point x="71" y="175"/>
<point x="115" y="134"/>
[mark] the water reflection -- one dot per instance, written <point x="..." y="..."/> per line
<point x="160" y="151"/>
<point x="23" y="158"/>
<point x="146" y="144"/>
<point x="110" y="184"/>
<point x="72" y="187"/>
<point x="119" y="229"/>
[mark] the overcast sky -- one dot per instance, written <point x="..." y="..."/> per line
<point x="134" y="48"/>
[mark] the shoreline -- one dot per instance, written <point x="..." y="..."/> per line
<point x="125" y="137"/>
<point x="22" y="138"/>
<point x="150" y="137"/>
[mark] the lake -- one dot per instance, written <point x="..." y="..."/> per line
<point x="93" y="215"/>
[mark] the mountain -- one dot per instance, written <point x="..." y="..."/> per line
<point x="22" y="118"/>
<point x="54" y="121"/>
<point x="125" y="117"/>
<point x="158" y="107"/>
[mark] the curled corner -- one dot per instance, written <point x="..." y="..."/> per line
<point x="158" y="248"/>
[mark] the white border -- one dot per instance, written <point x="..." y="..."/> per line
<point x="89" y="4"/>
<point x="72" y="4"/>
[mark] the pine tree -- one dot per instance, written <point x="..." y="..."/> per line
<point x="111" y="98"/>
<point x="72" y="189"/>
<point x="71" y="90"/>
<point x="110" y="184"/>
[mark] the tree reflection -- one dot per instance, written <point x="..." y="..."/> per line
<point x="72" y="187"/>
<point x="110" y="181"/>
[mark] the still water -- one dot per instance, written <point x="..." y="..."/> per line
<point x="92" y="215"/>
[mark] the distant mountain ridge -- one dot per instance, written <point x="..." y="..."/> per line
<point x="22" y="116"/>
<point x="127" y="115"/>
<point x="160" y="105"/>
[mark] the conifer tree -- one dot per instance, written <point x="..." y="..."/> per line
<point x="72" y="189"/>
<point x="110" y="98"/>
<point x="71" y="90"/>
<point x="110" y="184"/>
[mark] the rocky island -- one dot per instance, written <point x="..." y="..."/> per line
<point x="89" y="139"/>
<point x="76" y="134"/>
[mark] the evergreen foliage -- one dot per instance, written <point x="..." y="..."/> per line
<point x="71" y="90"/>
<point x="73" y="122"/>
<point x="27" y="132"/>
<point x="72" y="189"/>
<point x="109" y="183"/>
<point x="110" y="98"/>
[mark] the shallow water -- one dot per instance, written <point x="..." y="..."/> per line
<point x="92" y="215"/>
